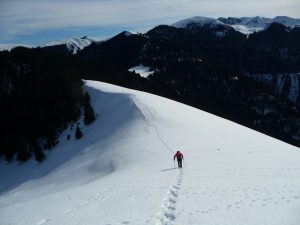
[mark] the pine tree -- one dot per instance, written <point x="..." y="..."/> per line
<point x="78" y="133"/>
<point x="89" y="114"/>
<point x="39" y="154"/>
<point x="37" y="150"/>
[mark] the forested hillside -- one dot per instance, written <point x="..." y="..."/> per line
<point x="40" y="95"/>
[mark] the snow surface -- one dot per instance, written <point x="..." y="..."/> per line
<point x="122" y="172"/>
<point x="246" y="29"/>
<point x="143" y="71"/>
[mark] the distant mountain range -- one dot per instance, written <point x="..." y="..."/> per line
<point x="245" y="25"/>
<point x="72" y="45"/>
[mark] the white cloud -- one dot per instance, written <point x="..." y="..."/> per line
<point x="19" y="17"/>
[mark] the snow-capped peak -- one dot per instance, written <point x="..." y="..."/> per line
<point x="128" y="33"/>
<point x="198" y="20"/>
<point x="73" y="44"/>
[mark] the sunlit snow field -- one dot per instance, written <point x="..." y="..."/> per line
<point x="122" y="172"/>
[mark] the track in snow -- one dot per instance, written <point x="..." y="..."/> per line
<point x="167" y="213"/>
<point x="152" y="118"/>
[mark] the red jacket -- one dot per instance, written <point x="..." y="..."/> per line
<point x="178" y="155"/>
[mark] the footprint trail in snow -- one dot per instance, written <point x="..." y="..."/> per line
<point x="167" y="213"/>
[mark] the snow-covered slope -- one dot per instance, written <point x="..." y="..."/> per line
<point x="73" y="44"/>
<point x="142" y="70"/>
<point x="122" y="172"/>
<point x="249" y="25"/>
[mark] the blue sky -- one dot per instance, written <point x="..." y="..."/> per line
<point x="34" y="22"/>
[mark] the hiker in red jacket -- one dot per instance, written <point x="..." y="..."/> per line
<point x="179" y="157"/>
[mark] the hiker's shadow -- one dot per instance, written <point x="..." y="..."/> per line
<point x="173" y="168"/>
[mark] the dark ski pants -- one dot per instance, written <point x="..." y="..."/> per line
<point x="179" y="163"/>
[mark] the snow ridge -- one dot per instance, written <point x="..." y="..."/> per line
<point x="151" y="118"/>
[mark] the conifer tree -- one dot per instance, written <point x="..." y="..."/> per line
<point x="38" y="153"/>
<point x="89" y="114"/>
<point x="78" y="133"/>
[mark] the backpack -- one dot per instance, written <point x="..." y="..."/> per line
<point x="179" y="156"/>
